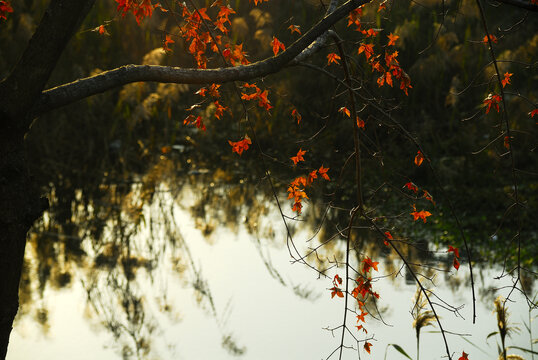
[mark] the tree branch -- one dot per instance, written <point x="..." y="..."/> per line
<point x="524" y="4"/>
<point x="68" y="93"/>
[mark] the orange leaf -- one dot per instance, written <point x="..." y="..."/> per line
<point x="295" y="114"/>
<point x="345" y="110"/>
<point x="367" y="346"/>
<point x="294" y="28"/>
<point x="392" y="39"/>
<point x="240" y="146"/>
<point x="368" y="50"/>
<point x="506" y="79"/>
<point x="168" y="40"/>
<point x="360" y="123"/>
<point x="102" y="30"/>
<point x="507" y="142"/>
<point x="361" y="316"/>
<point x="336" y="291"/>
<point x="277" y="46"/>
<point x="419" y="158"/>
<point x="368" y="263"/>
<point x="422" y="214"/>
<point x="333" y="58"/>
<point x="298" y="157"/>
<point x="491" y="37"/>
<point x="323" y="172"/>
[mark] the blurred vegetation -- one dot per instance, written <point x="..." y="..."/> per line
<point x="103" y="159"/>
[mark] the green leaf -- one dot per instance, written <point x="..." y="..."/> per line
<point x="522" y="349"/>
<point x="399" y="349"/>
<point x="491" y="334"/>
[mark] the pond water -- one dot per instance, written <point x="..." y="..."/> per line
<point x="189" y="289"/>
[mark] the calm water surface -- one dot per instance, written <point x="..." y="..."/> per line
<point x="215" y="291"/>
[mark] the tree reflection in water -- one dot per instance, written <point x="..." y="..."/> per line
<point x="119" y="243"/>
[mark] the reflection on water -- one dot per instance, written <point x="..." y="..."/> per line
<point x="178" y="265"/>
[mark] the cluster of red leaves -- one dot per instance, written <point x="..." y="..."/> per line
<point x="296" y="189"/>
<point x="391" y="68"/>
<point x="362" y="290"/>
<point x="5" y="7"/>
<point x="335" y="290"/>
<point x="241" y="145"/>
<point x="414" y="188"/>
<point x="140" y="9"/>
<point x="456" y="252"/>
<point x="258" y="94"/>
<point x="196" y="120"/>
<point x="201" y="42"/>
<point x="492" y="100"/>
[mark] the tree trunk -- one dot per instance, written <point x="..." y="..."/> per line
<point x="20" y="204"/>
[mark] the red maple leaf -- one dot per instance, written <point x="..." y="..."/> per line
<point x="535" y="111"/>
<point x="392" y="39"/>
<point x="5" y="7"/>
<point x="333" y="58"/>
<point x="456" y="263"/>
<point x="367" y="346"/>
<point x="277" y="46"/>
<point x="361" y="316"/>
<point x="323" y="172"/>
<point x="168" y="40"/>
<point x="492" y="100"/>
<point x="506" y="79"/>
<point x="295" y="114"/>
<point x="388" y="236"/>
<point x="454" y="250"/>
<point x="298" y="157"/>
<point x="491" y="37"/>
<point x="336" y="291"/>
<point x="419" y="158"/>
<point x="294" y="28"/>
<point x="368" y="263"/>
<point x="345" y="110"/>
<point x="422" y="214"/>
<point x="411" y="186"/>
<point x="463" y="356"/>
<point x="368" y="50"/>
<point x="241" y="145"/>
<point x="360" y="123"/>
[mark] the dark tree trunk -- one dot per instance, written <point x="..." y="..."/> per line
<point x="20" y="203"/>
<point x="20" y="207"/>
